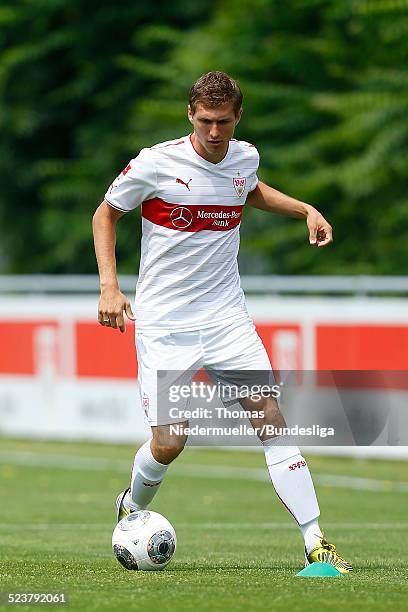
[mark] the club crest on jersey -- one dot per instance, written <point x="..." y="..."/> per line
<point x="145" y="402"/>
<point x="239" y="185"/>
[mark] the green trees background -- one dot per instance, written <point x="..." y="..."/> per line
<point x="85" y="85"/>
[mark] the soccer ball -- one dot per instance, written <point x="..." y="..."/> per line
<point x="144" y="540"/>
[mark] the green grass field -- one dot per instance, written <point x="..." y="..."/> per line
<point x="237" y="547"/>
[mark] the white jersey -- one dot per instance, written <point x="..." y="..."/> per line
<point x="191" y="213"/>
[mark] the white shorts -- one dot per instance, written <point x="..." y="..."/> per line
<point x="235" y="346"/>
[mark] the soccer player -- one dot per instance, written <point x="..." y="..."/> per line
<point x="190" y="310"/>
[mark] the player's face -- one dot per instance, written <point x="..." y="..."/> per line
<point x="213" y="129"/>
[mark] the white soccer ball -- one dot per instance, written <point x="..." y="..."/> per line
<point x="144" y="540"/>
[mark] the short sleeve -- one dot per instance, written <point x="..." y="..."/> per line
<point x="253" y="177"/>
<point x="135" y="184"/>
<point x="252" y="182"/>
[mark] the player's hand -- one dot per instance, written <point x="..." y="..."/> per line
<point x="320" y="231"/>
<point x="112" y="305"/>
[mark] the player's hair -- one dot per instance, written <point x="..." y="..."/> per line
<point x="214" y="89"/>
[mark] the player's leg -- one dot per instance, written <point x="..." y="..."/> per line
<point x="287" y="468"/>
<point x="292" y="481"/>
<point x="238" y="348"/>
<point x="179" y="355"/>
<point x="241" y="359"/>
<point x="150" y="466"/>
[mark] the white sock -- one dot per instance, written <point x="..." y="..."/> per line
<point x="147" y="475"/>
<point x="292" y="481"/>
<point x="311" y="534"/>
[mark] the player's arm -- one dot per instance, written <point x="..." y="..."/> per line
<point x="271" y="200"/>
<point x="112" y="302"/>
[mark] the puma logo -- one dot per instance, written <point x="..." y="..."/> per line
<point x="178" y="180"/>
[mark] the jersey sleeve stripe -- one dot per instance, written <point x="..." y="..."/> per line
<point x="114" y="206"/>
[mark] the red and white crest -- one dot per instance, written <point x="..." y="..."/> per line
<point x="145" y="402"/>
<point x="239" y="185"/>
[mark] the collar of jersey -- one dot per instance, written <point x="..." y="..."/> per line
<point x="205" y="161"/>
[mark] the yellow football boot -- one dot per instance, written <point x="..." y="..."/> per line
<point x="326" y="553"/>
<point x="121" y="510"/>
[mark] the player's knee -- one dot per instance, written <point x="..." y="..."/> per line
<point x="165" y="451"/>
<point x="165" y="445"/>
